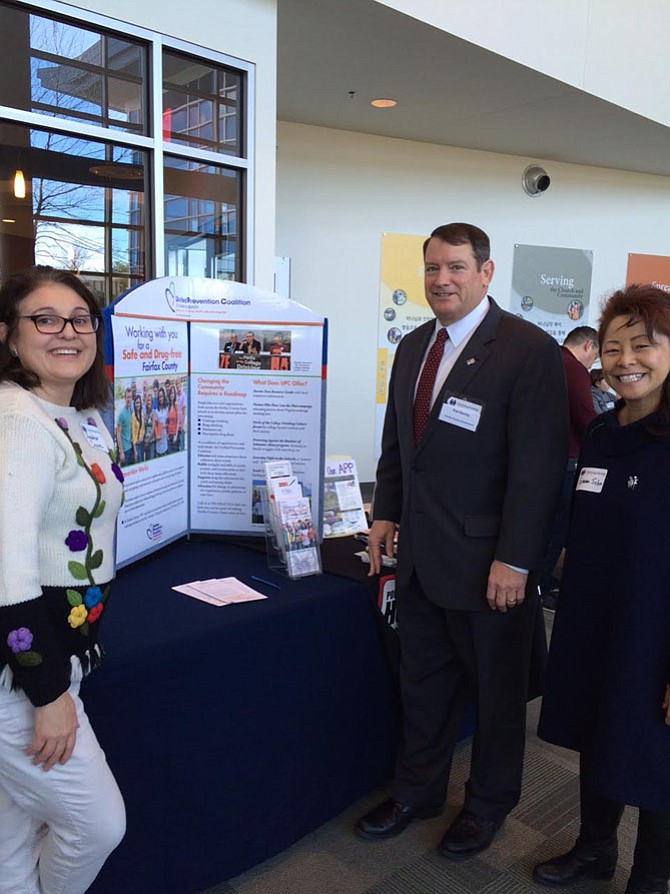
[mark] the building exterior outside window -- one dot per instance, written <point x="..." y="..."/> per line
<point x="129" y="171"/>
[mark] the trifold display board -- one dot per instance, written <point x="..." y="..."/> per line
<point x="211" y="380"/>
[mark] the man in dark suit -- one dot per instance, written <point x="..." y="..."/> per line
<point x="473" y="453"/>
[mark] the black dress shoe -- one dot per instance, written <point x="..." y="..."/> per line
<point x="580" y="861"/>
<point x="468" y="835"/>
<point x="391" y="818"/>
<point x="647" y="884"/>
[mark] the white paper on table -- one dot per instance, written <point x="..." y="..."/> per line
<point x="220" y="591"/>
<point x="230" y="589"/>
<point x="190" y="590"/>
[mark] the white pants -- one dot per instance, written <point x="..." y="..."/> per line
<point x="57" y="828"/>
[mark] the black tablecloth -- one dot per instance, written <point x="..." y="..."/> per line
<point x="233" y="731"/>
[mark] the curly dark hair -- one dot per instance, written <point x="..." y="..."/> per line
<point x="92" y="390"/>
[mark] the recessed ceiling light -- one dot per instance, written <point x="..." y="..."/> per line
<point x="383" y="103"/>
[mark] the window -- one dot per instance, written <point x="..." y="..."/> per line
<point x="77" y="111"/>
<point x="83" y="210"/>
<point x="71" y="71"/>
<point x="201" y="104"/>
<point x="201" y="212"/>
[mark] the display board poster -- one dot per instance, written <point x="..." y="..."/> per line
<point x="256" y="393"/>
<point x="551" y="287"/>
<point x="402" y="307"/>
<point x="654" y="269"/>
<point x="246" y="370"/>
<point x="150" y="431"/>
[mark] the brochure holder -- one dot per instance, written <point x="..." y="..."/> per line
<point x="272" y="546"/>
<point x="290" y="537"/>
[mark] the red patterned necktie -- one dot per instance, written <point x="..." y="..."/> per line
<point x="424" y="391"/>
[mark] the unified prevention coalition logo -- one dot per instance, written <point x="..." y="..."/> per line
<point x="170" y="297"/>
<point x="155" y="532"/>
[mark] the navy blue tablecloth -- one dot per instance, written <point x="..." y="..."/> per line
<point x="233" y="731"/>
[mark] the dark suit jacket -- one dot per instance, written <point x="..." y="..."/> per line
<point x="464" y="498"/>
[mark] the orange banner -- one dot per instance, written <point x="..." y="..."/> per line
<point x="654" y="269"/>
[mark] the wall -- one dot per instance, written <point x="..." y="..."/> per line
<point x="337" y="192"/>
<point x="246" y="29"/>
<point x="610" y="48"/>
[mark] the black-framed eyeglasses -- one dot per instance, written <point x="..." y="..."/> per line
<point x="52" y="324"/>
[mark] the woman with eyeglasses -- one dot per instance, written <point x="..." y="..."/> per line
<point x="61" y="812"/>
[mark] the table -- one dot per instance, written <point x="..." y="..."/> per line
<point x="234" y="731"/>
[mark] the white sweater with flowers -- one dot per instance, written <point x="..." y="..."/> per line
<point x="60" y="491"/>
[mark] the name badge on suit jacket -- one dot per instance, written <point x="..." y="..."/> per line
<point x="591" y="479"/>
<point x="461" y="412"/>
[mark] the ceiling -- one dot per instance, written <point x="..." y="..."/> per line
<point x="334" y="56"/>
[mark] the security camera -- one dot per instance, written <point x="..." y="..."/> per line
<point x="535" y="180"/>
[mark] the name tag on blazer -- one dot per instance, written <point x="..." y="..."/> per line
<point x="591" y="479"/>
<point x="461" y="412"/>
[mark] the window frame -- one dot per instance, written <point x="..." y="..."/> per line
<point x="153" y="143"/>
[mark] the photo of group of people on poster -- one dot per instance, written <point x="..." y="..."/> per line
<point x="149" y="418"/>
<point x="246" y="349"/>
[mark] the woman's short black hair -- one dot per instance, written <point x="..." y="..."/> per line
<point x="92" y="390"/>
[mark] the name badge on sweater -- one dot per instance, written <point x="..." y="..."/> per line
<point x="591" y="479"/>
<point x="94" y="436"/>
<point x="461" y="412"/>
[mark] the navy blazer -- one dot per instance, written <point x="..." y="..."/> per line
<point x="464" y="498"/>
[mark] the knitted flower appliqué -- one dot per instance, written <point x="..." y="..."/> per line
<point x="20" y="641"/>
<point x="86" y="609"/>
<point x="95" y="612"/>
<point x="98" y="474"/>
<point x="77" y="541"/>
<point x="92" y="597"/>
<point x="77" y="616"/>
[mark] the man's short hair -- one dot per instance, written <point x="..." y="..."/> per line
<point x="580" y="335"/>
<point x="463" y="234"/>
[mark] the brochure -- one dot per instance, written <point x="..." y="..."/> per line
<point x="343" y="512"/>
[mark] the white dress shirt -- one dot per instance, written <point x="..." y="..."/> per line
<point x="459" y="335"/>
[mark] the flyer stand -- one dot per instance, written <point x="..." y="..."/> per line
<point x="290" y="537"/>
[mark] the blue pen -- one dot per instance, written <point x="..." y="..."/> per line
<point x="261" y="580"/>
